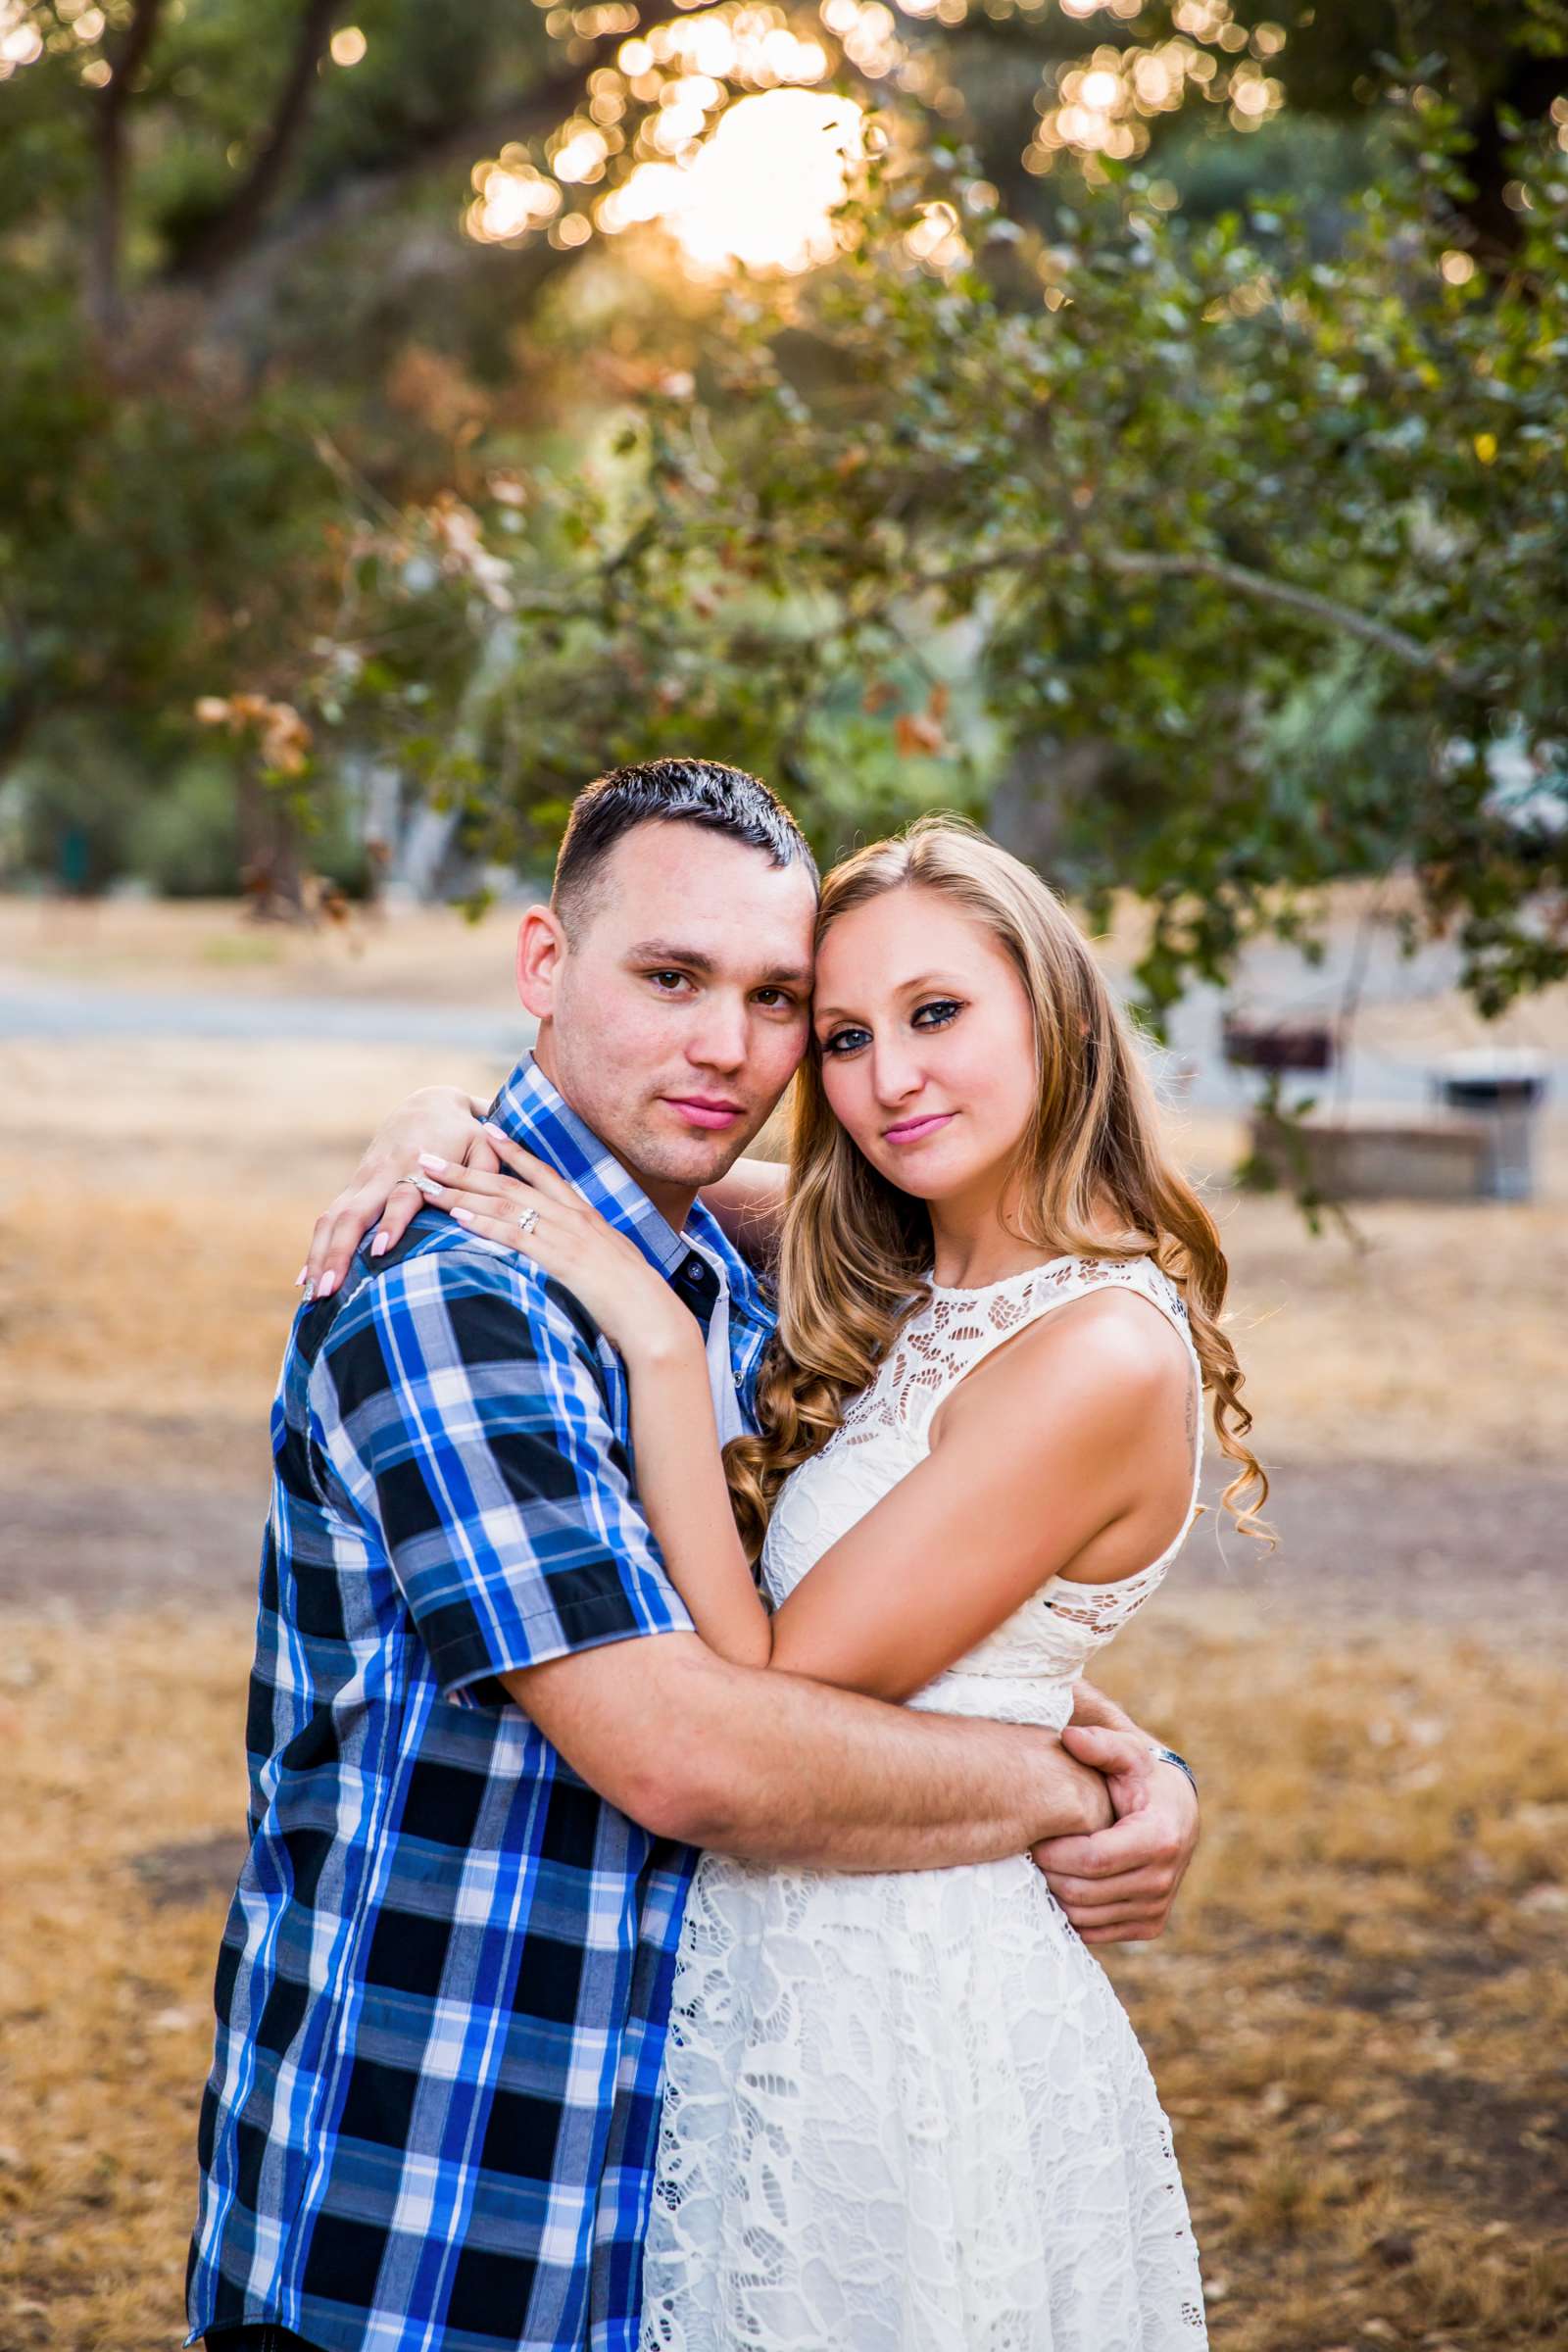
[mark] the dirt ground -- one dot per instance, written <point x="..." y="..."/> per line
<point x="1357" y="2022"/>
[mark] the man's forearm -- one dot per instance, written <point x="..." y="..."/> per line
<point x="810" y="1776"/>
<point x="775" y="1768"/>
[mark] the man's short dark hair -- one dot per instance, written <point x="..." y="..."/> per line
<point x="672" y="792"/>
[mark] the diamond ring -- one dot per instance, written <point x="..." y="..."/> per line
<point x="528" y="1218"/>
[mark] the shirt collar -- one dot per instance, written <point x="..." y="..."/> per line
<point x="537" y="1115"/>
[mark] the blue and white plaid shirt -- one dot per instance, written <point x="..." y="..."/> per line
<point x="444" y="1981"/>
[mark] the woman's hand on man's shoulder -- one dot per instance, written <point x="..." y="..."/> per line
<point x="384" y="1191"/>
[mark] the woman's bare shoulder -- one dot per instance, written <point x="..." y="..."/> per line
<point x="1108" y="1357"/>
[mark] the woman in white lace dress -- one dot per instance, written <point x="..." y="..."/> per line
<point x="907" y="2112"/>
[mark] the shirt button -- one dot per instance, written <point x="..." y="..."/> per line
<point x="698" y="1270"/>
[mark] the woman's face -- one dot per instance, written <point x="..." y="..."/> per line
<point x="928" y="1043"/>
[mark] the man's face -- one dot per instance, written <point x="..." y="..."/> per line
<point x="675" y="1016"/>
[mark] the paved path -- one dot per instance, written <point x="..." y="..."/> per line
<point x="45" y="1011"/>
<point x="1363" y="1543"/>
<point x="1272" y="979"/>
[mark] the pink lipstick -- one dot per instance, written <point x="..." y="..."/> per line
<point x="915" y="1131"/>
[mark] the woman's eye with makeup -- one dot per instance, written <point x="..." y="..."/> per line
<point x="844" y="1040"/>
<point x="940" y="1009"/>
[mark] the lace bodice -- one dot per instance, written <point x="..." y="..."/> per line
<point x="1024" y="1671"/>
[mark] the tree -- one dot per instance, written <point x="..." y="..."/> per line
<point x="298" y="395"/>
<point x="1281" y="537"/>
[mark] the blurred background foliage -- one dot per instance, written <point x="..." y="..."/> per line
<point x="1145" y="426"/>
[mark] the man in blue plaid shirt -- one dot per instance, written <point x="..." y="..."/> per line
<point x="483" y="1737"/>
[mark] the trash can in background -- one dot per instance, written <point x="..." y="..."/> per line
<point x="1501" y="1093"/>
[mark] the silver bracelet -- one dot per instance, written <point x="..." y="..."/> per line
<point x="1169" y="1755"/>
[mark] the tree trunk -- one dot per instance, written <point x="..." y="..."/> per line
<point x="1528" y="86"/>
<point x="271" y="873"/>
<point x="104" y="290"/>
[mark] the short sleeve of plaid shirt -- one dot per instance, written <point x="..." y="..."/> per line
<point x="464" y="1404"/>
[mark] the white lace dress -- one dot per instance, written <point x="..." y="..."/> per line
<point x="907" y="2113"/>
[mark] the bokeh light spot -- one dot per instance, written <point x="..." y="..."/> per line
<point x="761" y="192"/>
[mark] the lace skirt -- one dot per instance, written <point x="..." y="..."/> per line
<point x="908" y="2114"/>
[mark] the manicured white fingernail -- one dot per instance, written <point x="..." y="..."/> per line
<point x="381" y="1245"/>
<point x="464" y="1217"/>
<point x="429" y="1159"/>
<point x="326" y="1286"/>
<point x="299" y="1279"/>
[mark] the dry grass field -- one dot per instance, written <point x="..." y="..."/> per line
<point x="1360" y="2020"/>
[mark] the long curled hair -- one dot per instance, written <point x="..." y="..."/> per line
<point x="856" y="1251"/>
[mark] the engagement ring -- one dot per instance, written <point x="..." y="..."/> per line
<point x="528" y="1218"/>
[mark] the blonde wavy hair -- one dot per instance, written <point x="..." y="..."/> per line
<point x="856" y="1251"/>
